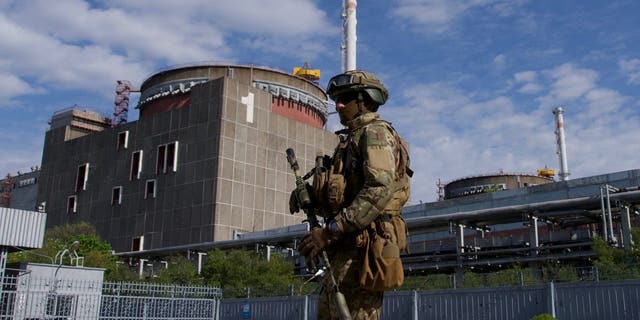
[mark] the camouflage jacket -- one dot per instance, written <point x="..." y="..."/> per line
<point x="375" y="163"/>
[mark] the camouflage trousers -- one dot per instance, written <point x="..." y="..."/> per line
<point x="363" y="304"/>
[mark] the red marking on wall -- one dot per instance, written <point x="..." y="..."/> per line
<point x="296" y="111"/>
<point x="165" y="104"/>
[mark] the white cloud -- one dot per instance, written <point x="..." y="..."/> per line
<point x="77" y="44"/>
<point x="529" y="81"/>
<point x="530" y="88"/>
<point x="12" y="86"/>
<point x="453" y="133"/>
<point x="525" y="76"/>
<point x="632" y="69"/>
<point x="59" y="65"/>
<point x="435" y="16"/>
<point x="602" y="100"/>
<point x="438" y="16"/>
<point x="568" y="83"/>
<point x="499" y="61"/>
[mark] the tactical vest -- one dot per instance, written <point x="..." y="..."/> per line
<point x="338" y="179"/>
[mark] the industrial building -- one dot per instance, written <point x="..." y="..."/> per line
<point x="555" y="221"/>
<point x="20" y="191"/>
<point x="204" y="162"/>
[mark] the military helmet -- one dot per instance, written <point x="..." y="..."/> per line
<point x="358" y="81"/>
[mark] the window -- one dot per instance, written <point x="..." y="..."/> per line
<point x="71" y="204"/>
<point x="59" y="306"/>
<point x="167" y="158"/>
<point x="82" y="177"/>
<point x="27" y="182"/>
<point x="123" y="140"/>
<point x="162" y="157"/>
<point x="150" y="189"/>
<point x="172" y="157"/>
<point x="136" y="165"/>
<point x="116" y="196"/>
<point x="137" y="244"/>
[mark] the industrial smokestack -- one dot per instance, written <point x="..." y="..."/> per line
<point x="562" y="146"/>
<point x="348" y="46"/>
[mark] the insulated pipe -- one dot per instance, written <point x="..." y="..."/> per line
<point x="438" y="222"/>
<point x="612" y="237"/>
<point x="502" y="214"/>
<point x="348" y="46"/>
<point x="604" y="215"/>
<point x="626" y="227"/>
<point x="562" y="147"/>
<point x="533" y="235"/>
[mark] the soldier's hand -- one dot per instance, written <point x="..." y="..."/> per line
<point x="293" y="202"/>
<point x="294" y="199"/>
<point x="314" y="242"/>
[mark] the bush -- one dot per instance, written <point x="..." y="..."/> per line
<point x="543" y="316"/>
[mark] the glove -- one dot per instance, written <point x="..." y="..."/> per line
<point x="314" y="242"/>
<point x="294" y="203"/>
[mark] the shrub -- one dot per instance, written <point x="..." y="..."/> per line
<point x="543" y="316"/>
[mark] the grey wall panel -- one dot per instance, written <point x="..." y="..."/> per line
<point x="291" y="307"/>
<point x="582" y="301"/>
<point x="22" y="228"/>
<point x="488" y="303"/>
<point x="603" y="300"/>
<point x="395" y="305"/>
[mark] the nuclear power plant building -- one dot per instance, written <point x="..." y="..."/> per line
<point x="204" y="161"/>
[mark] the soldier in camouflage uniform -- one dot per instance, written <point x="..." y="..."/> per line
<point x="367" y="181"/>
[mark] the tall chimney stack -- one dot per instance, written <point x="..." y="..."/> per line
<point x="562" y="146"/>
<point x="348" y="46"/>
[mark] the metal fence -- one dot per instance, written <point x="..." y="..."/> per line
<point x="566" y="301"/>
<point x="25" y="297"/>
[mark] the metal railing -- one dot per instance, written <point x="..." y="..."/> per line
<point x="27" y="297"/>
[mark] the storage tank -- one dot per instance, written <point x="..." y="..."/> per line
<point x="491" y="183"/>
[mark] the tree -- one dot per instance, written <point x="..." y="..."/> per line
<point x="616" y="263"/>
<point x="179" y="271"/>
<point x="235" y="270"/>
<point x="96" y="252"/>
<point x="543" y="316"/>
<point x="122" y="272"/>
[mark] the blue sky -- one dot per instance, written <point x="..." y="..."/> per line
<point x="472" y="83"/>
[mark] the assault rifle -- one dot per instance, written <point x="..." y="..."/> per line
<point x="304" y="203"/>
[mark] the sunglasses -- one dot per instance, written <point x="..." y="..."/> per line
<point x="347" y="97"/>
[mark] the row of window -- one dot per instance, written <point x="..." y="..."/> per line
<point x="116" y="195"/>
<point x="167" y="156"/>
<point x="166" y="161"/>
